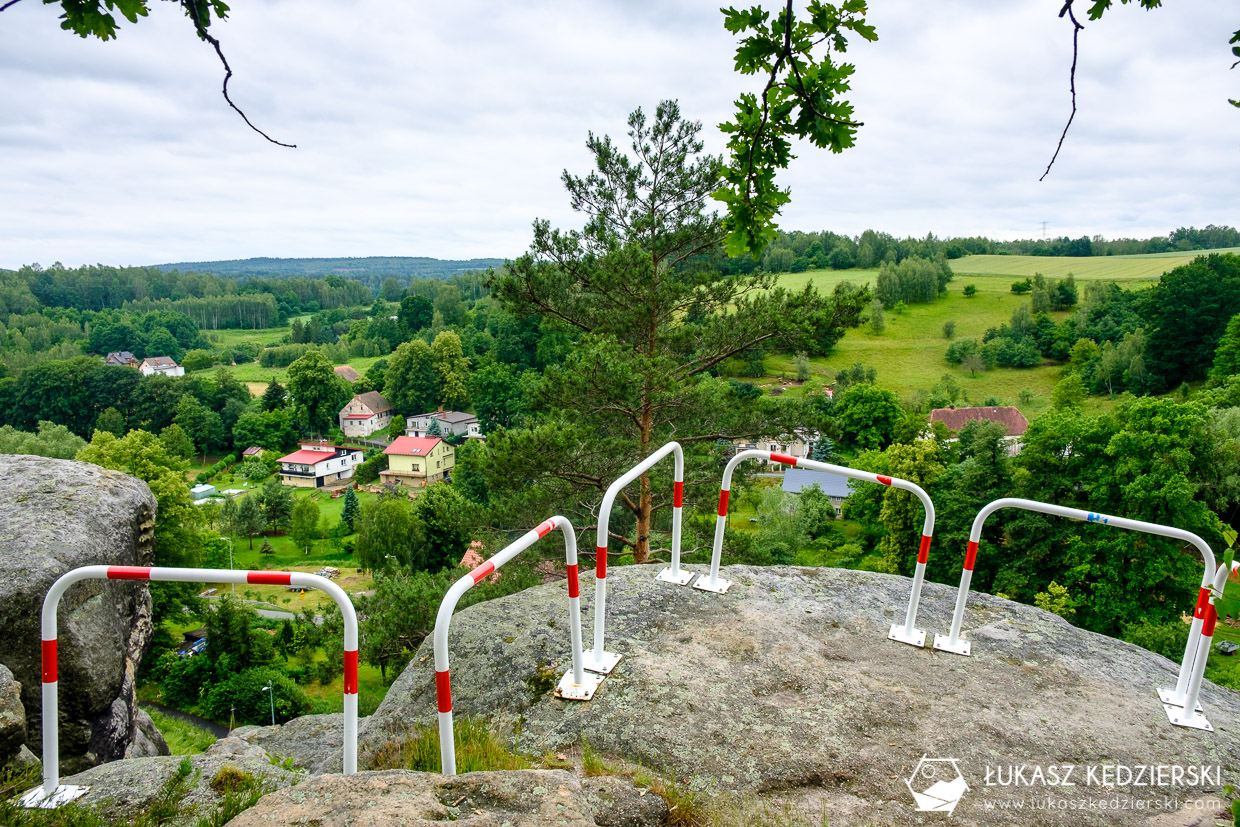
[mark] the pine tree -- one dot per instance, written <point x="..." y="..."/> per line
<point x="274" y="396"/>
<point x="349" y="514"/>
<point x="434" y="429"/>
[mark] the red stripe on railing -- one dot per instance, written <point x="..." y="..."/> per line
<point x="482" y="571"/>
<point x="49" y="661"/>
<point x="129" y="573"/>
<point x="269" y="578"/>
<point x="678" y="494"/>
<point x="600" y="563"/>
<point x="573" y="589"/>
<point x="784" y="458"/>
<point x="544" y="528"/>
<point x="350" y="672"/>
<point x="883" y="480"/>
<point x="923" y="553"/>
<point x="723" y="503"/>
<point x="1203" y="601"/>
<point x="1207" y="628"/>
<point x="443" y="691"/>
<point x="971" y="557"/>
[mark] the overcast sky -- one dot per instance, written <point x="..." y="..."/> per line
<point x="441" y="129"/>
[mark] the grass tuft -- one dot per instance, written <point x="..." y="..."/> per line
<point x="478" y="748"/>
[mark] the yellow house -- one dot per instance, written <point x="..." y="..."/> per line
<point x="418" y="461"/>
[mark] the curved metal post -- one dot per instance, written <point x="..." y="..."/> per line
<point x="1176" y="697"/>
<point x="598" y="659"/>
<point x="906" y="632"/>
<point x="51" y="793"/>
<point x="577" y="685"/>
<point x="1189" y="713"/>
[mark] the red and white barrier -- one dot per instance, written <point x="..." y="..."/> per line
<point x="598" y="659"/>
<point x="576" y="685"/>
<point x="906" y="632"/>
<point x="1184" y="696"/>
<point x="51" y="794"/>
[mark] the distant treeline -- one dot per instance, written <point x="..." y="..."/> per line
<point x="799" y="251"/>
<point x="370" y="271"/>
<point x="211" y="301"/>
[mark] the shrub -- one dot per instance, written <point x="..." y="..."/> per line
<point x="1166" y="639"/>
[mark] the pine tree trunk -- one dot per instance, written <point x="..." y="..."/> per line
<point x="642" y="550"/>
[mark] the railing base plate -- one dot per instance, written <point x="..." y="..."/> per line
<point x="681" y="580"/>
<point x="918" y="638"/>
<point x="37" y="800"/>
<point x="720" y="587"/>
<point x="1196" y="720"/>
<point x="603" y="665"/>
<point x="570" y="691"/>
<point x="962" y="647"/>
<point x="1169" y="699"/>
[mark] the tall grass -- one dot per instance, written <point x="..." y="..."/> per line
<point x="478" y="748"/>
<point x="183" y="737"/>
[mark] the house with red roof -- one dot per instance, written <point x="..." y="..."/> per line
<point x="418" y="461"/>
<point x="319" y="465"/>
<point x="365" y="414"/>
<point x="1012" y="420"/>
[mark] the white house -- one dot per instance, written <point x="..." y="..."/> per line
<point x="319" y="465"/>
<point x="365" y="414"/>
<point x="451" y="423"/>
<point x="162" y="365"/>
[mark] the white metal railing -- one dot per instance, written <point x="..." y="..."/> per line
<point x="1193" y="665"/>
<point x="51" y="793"/>
<point x="906" y="632"/>
<point x="598" y="659"/>
<point x="576" y="685"/>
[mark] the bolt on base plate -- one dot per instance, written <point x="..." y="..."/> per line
<point x="720" y="586"/>
<point x="1196" y="720"/>
<point x="681" y="580"/>
<point x="37" y="800"/>
<point x="962" y="647"/>
<point x="603" y="665"/>
<point x="1169" y="699"/>
<point x="918" y="638"/>
<point x="570" y="691"/>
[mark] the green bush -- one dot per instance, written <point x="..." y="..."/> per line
<point x="244" y="691"/>
<point x="1166" y="639"/>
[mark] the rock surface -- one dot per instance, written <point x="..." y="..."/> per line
<point x="787" y="687"/>
<point x="377" y="799"/>
<point x="314" y="743"/>
<point x="12" y="716"/>
<point x="60" y="515"/>
<point x="121" y="788"/>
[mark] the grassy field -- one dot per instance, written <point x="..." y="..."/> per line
<point x="909" y="354"/>
<point x="1145" y="268"/>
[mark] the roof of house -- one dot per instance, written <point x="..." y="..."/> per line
<point x="252" y="451"/>
<point x="347" y="373"/>
<point x="121" y="356"/>
<point x="797" y="480"/>
<point x="473" y="559"/>
<point x="412" y="446"/>
<point x="1006" y="415"/>
<point x="318" y="453"/>
<point x="448" y="416"/>
<point x="160" y="361"/>
<point x="375" y="401"/>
